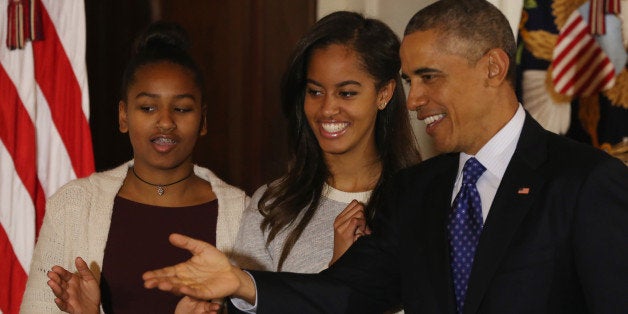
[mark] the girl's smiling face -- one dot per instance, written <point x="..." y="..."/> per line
<point x="341" y="101"/>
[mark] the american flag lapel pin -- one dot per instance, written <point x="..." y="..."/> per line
<point x="523" y="191"/>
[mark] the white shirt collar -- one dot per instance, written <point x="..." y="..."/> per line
<point x="345" y="197"/>
<point x="497" y="152"/>
<point x="495" y="156"/>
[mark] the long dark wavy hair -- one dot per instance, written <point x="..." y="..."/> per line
<point x="300" y="189"/>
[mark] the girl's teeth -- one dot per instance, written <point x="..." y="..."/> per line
<point x="334" y="127"/>
<point x="163" y="140"/>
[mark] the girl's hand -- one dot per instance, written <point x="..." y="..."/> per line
<point x="75" y="292"/>
<point x="349" y="225"/>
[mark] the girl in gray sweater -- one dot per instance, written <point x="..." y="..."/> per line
<point x="349" y="132"/>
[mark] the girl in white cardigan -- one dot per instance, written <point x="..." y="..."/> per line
<point x="126" y="214"/>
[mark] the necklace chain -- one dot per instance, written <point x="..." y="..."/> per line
<point x="160" y="187"/>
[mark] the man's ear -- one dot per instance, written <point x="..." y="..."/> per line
<point x="385" y="94"/>
<point x="497" y="66"/>
<point x="122" y="118"/>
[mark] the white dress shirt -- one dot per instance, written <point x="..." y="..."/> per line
<point x="495" y="156"/>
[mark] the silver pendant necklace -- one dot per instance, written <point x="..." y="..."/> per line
<point x="160" y="187"/>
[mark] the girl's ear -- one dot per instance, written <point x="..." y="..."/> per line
<point x="385" y="94"/>
<point x="122" y="118"/>
<point x="203" y="127"/>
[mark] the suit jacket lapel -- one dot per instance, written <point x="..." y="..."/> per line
<point x="508" y="210"/>
<point x="438" y="206"/>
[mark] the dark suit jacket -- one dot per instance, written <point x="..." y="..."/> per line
<point x="562" y="247"/>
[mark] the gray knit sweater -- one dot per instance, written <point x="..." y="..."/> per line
<point x="312" y="251"/>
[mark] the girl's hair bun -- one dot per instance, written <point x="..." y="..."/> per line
<point x="163" y="36"/>
<point x="160" y="42"/>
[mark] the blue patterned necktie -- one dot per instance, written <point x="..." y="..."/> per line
<point x="465" y="227"/>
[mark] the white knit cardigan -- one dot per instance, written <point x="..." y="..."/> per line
<point x="77" y="223"/>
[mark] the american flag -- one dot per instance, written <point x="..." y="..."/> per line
<point x="45" y="139"/>
<point x="580" y="66"/>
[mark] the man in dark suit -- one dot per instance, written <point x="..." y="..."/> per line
<point x="545" y="229"/>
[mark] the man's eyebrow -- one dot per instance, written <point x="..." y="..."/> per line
<point x="425" y="70"/>
<point x="419" y="72"/>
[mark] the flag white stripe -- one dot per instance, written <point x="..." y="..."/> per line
<point x="17" y="208"/>
<point x="71" y="32"/>
<point x="54" y="167"/>
<point x="561" y="45"/>
<point x="573" y="53"/>
<point x="597" y="79"/>
<point x="17" y="212"/>
<point x="571" y="72"/>
<point x="18" y="64"/>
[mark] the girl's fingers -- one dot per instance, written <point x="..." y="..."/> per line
<point x="352" y="207"/>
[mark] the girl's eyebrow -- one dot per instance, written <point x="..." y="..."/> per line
<point x="151" y="95"/>
<point x="341" y="84"/>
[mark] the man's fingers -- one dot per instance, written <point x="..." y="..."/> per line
<point x="213" y="307"/>
<point x="184" y="242"/>
<point x="158" y="274"/>
<point x="165" y="286"/>
<point x="165" y="283"/>
<point x="155" y="278"/>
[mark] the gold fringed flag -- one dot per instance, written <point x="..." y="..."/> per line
<point x="599" y="8"/>
<point x="23" y="22"/>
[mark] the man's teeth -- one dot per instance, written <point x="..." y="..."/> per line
<point x="434" y="118"/>
<point x="163" y="140"/>
<point x="334" y="127"/>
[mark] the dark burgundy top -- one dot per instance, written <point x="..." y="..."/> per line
<point x="138" y="241"/>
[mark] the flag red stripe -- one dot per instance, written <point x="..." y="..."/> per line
<point x="58" y="83"/>
<point x="591" y="53"/>
<point x="12" y="277"/>
<point x="572" y="43"/>
<point x="586" y="75"/>
<point x="575" y="58"/>
<point x="588" y="89"/>
<point x="21" y="143"/>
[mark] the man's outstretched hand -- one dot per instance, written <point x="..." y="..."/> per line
<point x="207" y="275"/>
